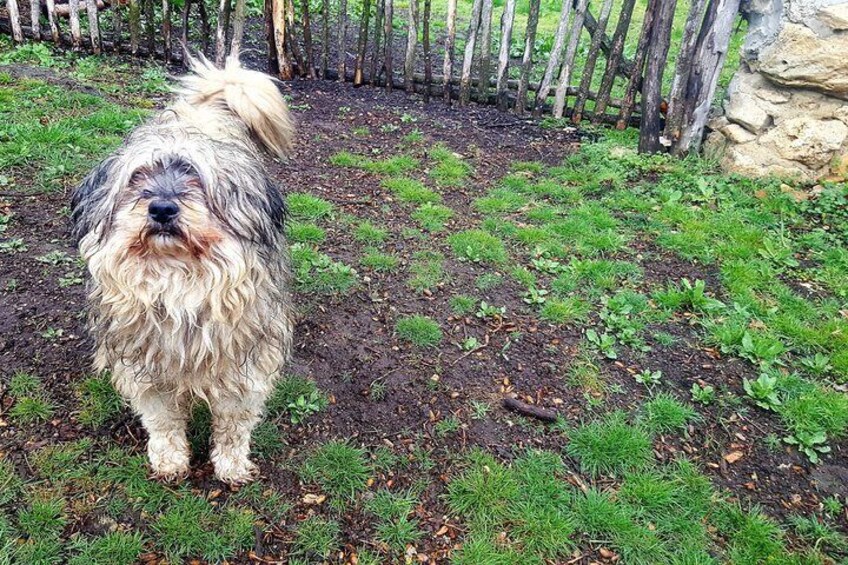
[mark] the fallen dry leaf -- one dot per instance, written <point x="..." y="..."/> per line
<point x="734" y="456"/>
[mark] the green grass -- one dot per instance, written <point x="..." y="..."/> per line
<point x="99" y="402"/>
<point x="564" y="312"/>
<point x="411" y="191"/>
<point x="379" y="262"/>
<point x="664" y="413"/>
<point x="478" y="246"/>
<point x="338" y="468"/>
<point x="450" y="169"/>
<point x="427" y="271"/>
<point x="610" y="446"/>
<point x="432" y="217"/>
<point x="316" y="537"/>
<point x="370" y="234"/>
<point x="316" y="272"/>
<point x="304" y="232"/>
<point x="418" y="330"/>
<point x="306" y="207"/>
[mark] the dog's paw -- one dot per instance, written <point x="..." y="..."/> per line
<point x="169" y="466"/>
<point x="235" y="471"/>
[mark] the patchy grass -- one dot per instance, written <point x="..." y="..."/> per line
<point x="420" y="331"/>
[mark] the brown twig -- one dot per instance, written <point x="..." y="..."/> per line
<point x="529" y="410"/>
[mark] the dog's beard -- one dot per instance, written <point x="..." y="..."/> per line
<point x="191" y="238"/>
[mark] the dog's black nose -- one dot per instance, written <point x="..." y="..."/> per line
<point x="162" y="211"/>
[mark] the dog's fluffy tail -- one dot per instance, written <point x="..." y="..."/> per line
<point x="252" y="96"/>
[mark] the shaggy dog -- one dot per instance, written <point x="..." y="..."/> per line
<point x="182" y="232"/>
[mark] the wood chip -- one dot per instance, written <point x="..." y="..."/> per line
<point x="734" y="456"/>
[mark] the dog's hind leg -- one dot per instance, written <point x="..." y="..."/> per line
<point x="233" y="420"/>
<point x="165" y="418"/>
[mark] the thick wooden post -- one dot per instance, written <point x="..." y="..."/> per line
<point x="238" y="26"/>
<point x="307" y="40"/>
<point x="411" y="46"/>
<point x="634" y="81"/>
<point x="507" y="20"/>
<point x="649" y="125"/>
<point x="527" y="61"/>
<point x="280" y="27"/>
<point x="76" y="33"/>
<point x="379" y="12"/>
<point x="51" y="19"/>
<point x="341" y="41"/>
<point x="117" y="25"/>
<point x="134" y="17"/>
<point x="468" y="59"/>
<point x="166" y="28"/>
<point x="325" y="37"/>
<point x="450" y="40"/>
<point x="150" y="27"/>
<point x="567" y="68"/>
<point x="591" y="60"/>
<point x="35" y="19"/>
<point x="706" y="69"/>
<point x="94" y="26"/>
<point x="682" y="70"/>
<point x="362" y="43"/>
<point x="291" y="39"/>
<point x="185" y="24"/>
<point x="15" y="20"/>
<point x="389" y="39"/>
<point x="614" y="59"/>
<point x="221" y="32"/>
<point x="553" y="62"/>
<point x="428" y="55"/>
<point x="485" y="52"/>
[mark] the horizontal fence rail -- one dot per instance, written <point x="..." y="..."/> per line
<point x="490" y="56"/>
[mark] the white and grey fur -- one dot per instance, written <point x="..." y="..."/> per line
<point x="197" y="307"/>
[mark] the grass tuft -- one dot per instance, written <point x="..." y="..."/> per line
<point x="610" y="446"/>
<point x="420" y="331"/>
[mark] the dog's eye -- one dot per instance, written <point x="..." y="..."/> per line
<point x="146" y="194"/>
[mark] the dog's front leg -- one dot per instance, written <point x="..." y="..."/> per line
<point x="233" y="420"/>
<point x="165" y="421"/>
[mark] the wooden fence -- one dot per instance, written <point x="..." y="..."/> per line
<point x="325" y="40"/>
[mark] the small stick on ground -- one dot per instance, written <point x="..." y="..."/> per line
<point x="529" y="410"/>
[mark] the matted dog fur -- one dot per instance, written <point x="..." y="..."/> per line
<point x="182" y="232"/>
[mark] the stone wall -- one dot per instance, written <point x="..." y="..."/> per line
<point x="787" y="107"/>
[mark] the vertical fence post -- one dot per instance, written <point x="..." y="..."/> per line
<point x="35" y="18"/>
<point x="15" y="20"/>
<point x="93" y="26"/>
<point x="411" y="45"/>
<point x="485" y="51"/>
<point x="166" y="30"/>
<point x="633" y="81"/>
<point x="379" y="11"/>
<point x="149" y="27"/>
<point x="221" y="32"/>
<point x="649" y="125"/>
<point x="450" y="40"/>
<point x="468" y="58"/>
<point x="205" y="28"/>
<point x="117" y="24"/>
<point x="134" y="17"/>
<point x="706" y="69"/>
<point x="73" y="14"/>
<point x="527" y="61"/>
<point x="591" y="60"/>
<point x="614" y="59"/>
<point x="389" y="39"/>
<point x="185" y="23"/>
<point x="325" y="37"/>
<point x="278" y="19"/>
<point x="291" y="39"/>
<point x="342" y="34"/>
<point x="553" y="62"/>
<point x="307" y="39"/>
<point x="51" y="19"/>
<point x="682" y="70"/>
<point x="425" y="44"/>
<point x="362" y="43"/>
<point x="561" y="95"/>
<point x="507" y="19"/>
<point x="238" y="26"/>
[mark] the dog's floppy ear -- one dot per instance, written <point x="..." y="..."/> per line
<point x="87" y="200"/>
<point x="276" y="205"/>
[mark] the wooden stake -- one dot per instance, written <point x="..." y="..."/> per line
<point x="507" y="19"/>
<point x="708" y="60"/>
<point x="362" y="43"/>
<point x="389" y="38"/>
<point x="15" y="20"/>
<point x="325" y="37"/>
<point x="278" y="17"/>
<point x="411" y="45"/>
<point x="149" y="26"/>
<point x="51" y="18"/>
<point x="527" y="61"/>
<point x="307" y="40"/>
<point x="614" y="58"/>
<point x="224" y="8"/>
<point x="134" y="17"/>
<point x="205" y="28"/>
<point x="35" y="18"/>
<point x="341" y="40"/>
<point x="166" y="28"/>
<point x="117" y="25"/>
<point x="450" y="42"/>
<point x="591" y="60"/>
<point x="291" y="39"/>
<point x="649" y="126"/>
<point x="682" y="70"/>
<point x="185" y="24"/>
<point x="468" y="59"/>
<point x="485" y="50"/>
<point x="428" y="55"/>
<point x="76" y="34"/>
<point x="553" y="61"/>
<point x="270" y="39"/>
<point x="378" y="34"/>
<point x="634" y="82"/>
<point x="561" y="95"/>
<point x="238" y="26"/>
<point x="94" y="27"/>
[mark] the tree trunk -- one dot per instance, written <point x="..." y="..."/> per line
<point x="273" y="63"/>
<point x="35" y="17"/>
<point x="649" y="126"/>
<point x="166" y="26"/>
<point x="527" y="61"/>
<point x="291" y="39"/>
<point x="507" y="20"/>
<point x="591" y="60"/>
<point x="468" y="59"/>
<point x="185" y="19"/>
<point x="485" y="50"/>
<point x="117" y="25"/>
<point x="15" y="20"/>
<point x="553" y="62"/>
<point x="307" y="40"/>
<point x="428" y="55"/>
<point x="614" y="57"/>
<point x="411" y="46"/>
<point x="221" y="32"/>
<point x="76" y="34"/>
<point x="450" y="40"/>
<point x="205" y="29"/>
<point x="706" y="69"/>
<point x="682" y="70"/>
<point x="325" y="37"/>
<point x="342" y="40"/>
<point x="389" y="40"/>
<point x="280" y="28"/>
<point x="149" y="26"/>
<point x="134" y="17"/>
<point x="362" y="43"/>
<point x="567" y="68"/>
<point x="634" y="81"/>
<point x="375" y="54"/>
<point x="238" y="27"/>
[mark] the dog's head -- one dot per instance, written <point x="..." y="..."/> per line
<point x="176" y="206"/>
